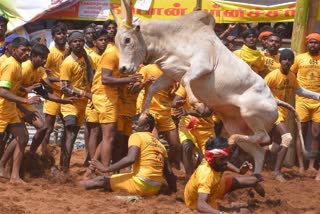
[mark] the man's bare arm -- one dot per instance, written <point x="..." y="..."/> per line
<point x="107" y="78"/>
<point x="67" y="89"/>
<point x="203" y="206"/>
<point x="132" y="156"/>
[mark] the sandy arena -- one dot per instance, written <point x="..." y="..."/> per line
<point x="47" y="194"/>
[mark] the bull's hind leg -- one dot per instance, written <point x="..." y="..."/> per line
<point x="250" y="144"/>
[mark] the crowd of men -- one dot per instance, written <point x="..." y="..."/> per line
<point x="80" y="81"/>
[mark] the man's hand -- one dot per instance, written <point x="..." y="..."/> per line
<point x="135" y="78"/>
<point x="179" y="112"/>
<point x="69" y="100"/>
<point x="95" y="164"/>
<point x="33" y="100"/>
<point x="245" y="167"/>
<point x="30" y="88"/>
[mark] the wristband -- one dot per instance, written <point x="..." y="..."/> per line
<point x="221" y="212"/>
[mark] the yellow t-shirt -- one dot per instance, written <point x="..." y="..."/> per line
<point x="161" y="100"/>
<point x="88" y="49"/>
<point x="253" y="58"/>
<point x="75" y="71"/>
<point x="110" y="45"/>
<point x="10" y="78"/>
<point x="3" y="58"/>
<point x="282" y="86"/>
<point x="203" y="180"/>
<point x="204" y="122"/>
<point x="152" y="155"/>
<point x="307" y="68"/>
<point x="30" y="76"/>
<point x="54" y="61"/>
<point x="271" y="62"/>
<point x="96" y="58"/>
<point x="109" y="60"/>
<point x="127" y="101"/>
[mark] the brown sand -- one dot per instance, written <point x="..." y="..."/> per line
<point x="45" y="194"/>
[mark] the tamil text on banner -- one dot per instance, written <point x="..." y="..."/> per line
<point x="223" y="11"/>
<point x="19" y="12"/>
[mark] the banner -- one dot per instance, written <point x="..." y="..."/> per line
<point x="19" y="12"/>
<point x="223" y="11"/>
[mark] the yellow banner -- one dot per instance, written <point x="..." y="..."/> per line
<point x="223" y="11"/>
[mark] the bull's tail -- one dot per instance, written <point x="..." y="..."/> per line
<point x="297" y="118"/>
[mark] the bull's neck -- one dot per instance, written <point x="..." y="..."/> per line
<point x="155" y="34"/>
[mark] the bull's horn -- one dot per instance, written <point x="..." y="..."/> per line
<point x="198" y="5"/>
<point x="128" y="13"/>
<point x="116" y="19"/>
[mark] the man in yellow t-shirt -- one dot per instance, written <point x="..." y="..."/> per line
<point x="249" y="52"/>
<point x="271" y="53"/>
<point x="75" y="81"/>
<point x="148" y="158"/>
<point x="307" y="69"/>
<point x="93" y="130"/>
<point x="33" y="75"/>
<point x="282" y="83"/>
<point x="54" y="60"/>
<point x="207" y="184"/>
<point x="160" y="108"/>
<point x="105" y="98"/>
<point x="194" y="129"/>
<point x="10" y="81"/>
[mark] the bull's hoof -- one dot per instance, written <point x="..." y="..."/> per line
<point x="311" y="155"/>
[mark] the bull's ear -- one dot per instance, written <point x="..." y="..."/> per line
<point x="137" y="28"/>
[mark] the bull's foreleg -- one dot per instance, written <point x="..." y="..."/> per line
<point x="193" y="75"/>
<point x="163" y="82"/>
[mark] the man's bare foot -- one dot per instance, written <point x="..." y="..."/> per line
<point x="95" y="183"/>
<point x="17" y="181"/>
<point x="301" y="170"/>
<point x="88" y="174"/>
<point x="279" y="177"/>
<point x="311" y="170"/>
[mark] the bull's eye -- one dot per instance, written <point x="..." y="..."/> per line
<point x="127" y="41"/>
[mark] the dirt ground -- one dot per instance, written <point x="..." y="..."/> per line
<point x="45" y="194"/>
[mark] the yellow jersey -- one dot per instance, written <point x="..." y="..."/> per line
<point x="96" y="58"/>
<point x="307" y="69"/>
<point x="152" y="155"/>
<point x="161" y="100"/>
<point x="203" y="180"/>
<point x="3" y="58"/>
<point x="271" y="62"/>
<point x="10" y="78"/>
<point x="30" y="76"/>
<point x="75" y="71"/>
<point x="282" y="86"/>
<point x="53" y="63"/>
<point x="127" y="101"/>
<point x="110" y="61"/>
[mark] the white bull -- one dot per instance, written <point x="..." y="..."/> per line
<point x="187" y="50"/>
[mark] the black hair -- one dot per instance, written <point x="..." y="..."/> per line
<point x="286" y="54"/>
<point x="99" y="33"/>
<point x="150" y="120"/>
<point x="216" y="143"/>
<point x="246" y="33"/>
<point x="4" y="19"/>
<point x="109" y="22"/>
<point x="19" y="41"/>
<point x="39" y="50"/>
<point x="90" y="26"/>
<point x="59" y="27"/>
<point x="275" y="34"/>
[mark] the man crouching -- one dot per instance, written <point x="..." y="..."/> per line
<point x="148" y="158"/>
<point x="207" y="184"/>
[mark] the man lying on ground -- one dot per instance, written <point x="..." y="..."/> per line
<point x="148" y="158"/>
<point x="207" y="184"/>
